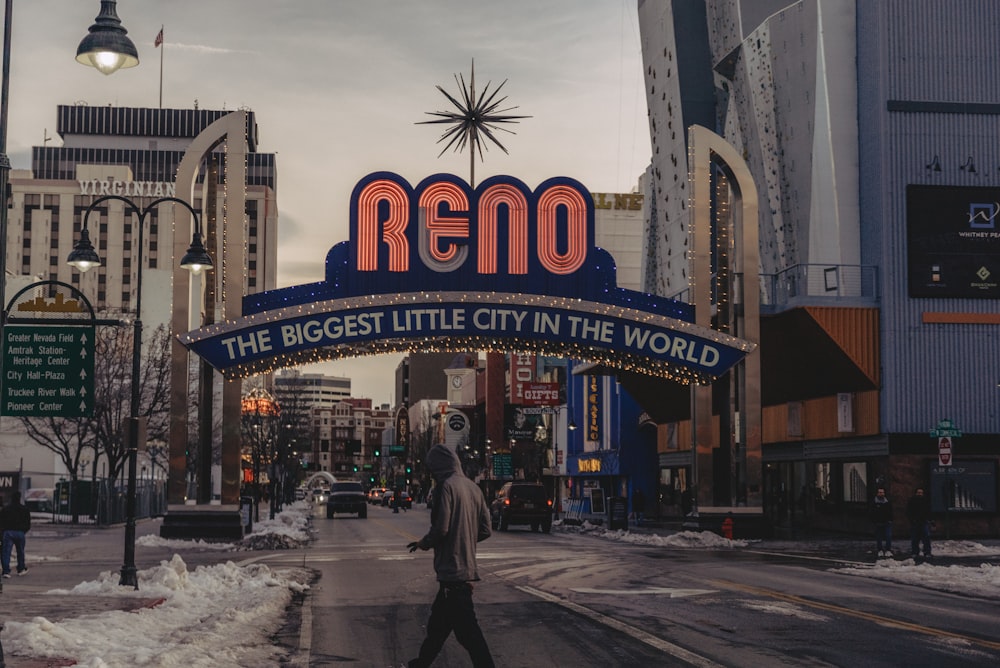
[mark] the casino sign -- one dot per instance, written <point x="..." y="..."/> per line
<point x="445" y="267"/>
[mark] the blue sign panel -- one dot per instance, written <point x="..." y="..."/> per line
<point x="442" y="266"/>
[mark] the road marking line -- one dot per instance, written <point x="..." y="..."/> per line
<point x="867" y="616"/>
<point x="808" y="557"/>
<point x="659" y="643"/>
<point x="405" y="534"/>
<point x="667" y="591"/>
<point x="303" y="655"/>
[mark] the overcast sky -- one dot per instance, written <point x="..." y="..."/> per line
<point x="337" y="87"/>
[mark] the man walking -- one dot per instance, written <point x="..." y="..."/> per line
<point x="16" y="522"/>
<point x="459" y="520"/>
<point x="918" y="512"/>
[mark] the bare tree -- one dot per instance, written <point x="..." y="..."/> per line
<point x="68" y="438"/>
<point x="292" y="438"/>
<point x="102" y="432"/>
<point x="113" y="388"/>
<point x="260" y="425"/>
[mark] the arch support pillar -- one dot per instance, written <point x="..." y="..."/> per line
<point x="711" y="159"/>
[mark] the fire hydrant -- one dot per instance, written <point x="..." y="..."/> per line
<point x="727" y="527"/>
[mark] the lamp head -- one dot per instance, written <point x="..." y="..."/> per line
<point x="83" y="256"/>
<point x="196" y="259"/>
<point x="106" y="46"/>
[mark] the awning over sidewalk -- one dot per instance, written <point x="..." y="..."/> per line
<point x="806" y="352"/>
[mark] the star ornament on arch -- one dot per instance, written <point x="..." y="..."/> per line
<point x="475" y="119"/>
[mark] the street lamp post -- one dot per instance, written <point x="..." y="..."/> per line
<point x="105" y="46"/>
<point x="84" y="257"/>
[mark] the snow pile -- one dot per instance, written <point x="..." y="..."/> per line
<point x="982" y="581"/>
<point x="218" y="616"/>
<point x="683" y="539"/>
<point x="963" y="548"/>
<point x="152" y="540"/>
<point x="288" y="530"/>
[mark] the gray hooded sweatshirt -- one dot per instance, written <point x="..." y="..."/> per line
<point x="459" y="518"/>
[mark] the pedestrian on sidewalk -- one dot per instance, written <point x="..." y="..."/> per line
<point x="881" y="515"/>
<point x="638" y="505"/>
<point x="918" y="512"/>
<point x="459" y="520"/>
<point x="15" y="519"/>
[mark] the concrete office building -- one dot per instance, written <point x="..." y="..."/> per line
<point x="135" y="153"/>
<point x="871" y="130"/>
<point x="310" y="389"/>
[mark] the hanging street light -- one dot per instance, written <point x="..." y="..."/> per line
<point x="106" y="46"/>
<point x="83" y="257"/>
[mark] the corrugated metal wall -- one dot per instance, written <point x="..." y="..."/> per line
<point x="942" y="51"/>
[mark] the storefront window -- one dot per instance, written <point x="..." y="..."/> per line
<point x="855" y="482"/>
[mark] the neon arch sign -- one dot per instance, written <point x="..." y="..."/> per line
<point x="445" y="267"/>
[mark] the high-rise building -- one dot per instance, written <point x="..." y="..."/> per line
<point x="619" y="226"/>
<point x="870" y="130"/>
<point x="421" y="376"/>
<point x="131" y="152"/>
<point x="310" y="389"/>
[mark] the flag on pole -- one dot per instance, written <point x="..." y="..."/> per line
<point x="159" y="38"/>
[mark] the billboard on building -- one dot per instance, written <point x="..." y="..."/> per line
<point x="521" y="422"/>
<point x="953" y="241"/>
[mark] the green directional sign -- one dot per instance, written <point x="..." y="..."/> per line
<point x="503" y="465"/>
<point x="946" y="429"/>
<point x="48" y="371"/>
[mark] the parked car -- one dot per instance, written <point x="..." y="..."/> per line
<point x="375" y="495"/>
<point x="522" y="503"/>
<point x="39" y="500"/>
<point x="347" y="497"/>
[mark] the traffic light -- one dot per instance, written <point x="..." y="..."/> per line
<point x="355" y="469"/>
<point x="409" y="469"/>
<point x="378" y="453"/>
<point x="371" y="478"/>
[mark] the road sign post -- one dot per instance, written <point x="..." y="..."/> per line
<point x="48" y="371"/>
<point x="945" y="433"/>
<point x="944" y="451"/>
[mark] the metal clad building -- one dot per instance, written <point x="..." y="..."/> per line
<point x="871" y="130"/>
<point x="929" y="101"/>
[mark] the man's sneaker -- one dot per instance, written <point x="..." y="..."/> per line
<point x="23" y="572"/>
<point x="6" y="576"/>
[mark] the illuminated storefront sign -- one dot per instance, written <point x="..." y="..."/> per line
<point x="593" y="409"/>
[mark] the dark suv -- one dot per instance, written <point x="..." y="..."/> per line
<point x="347" y="496"/>
<point x="522" y="503"/>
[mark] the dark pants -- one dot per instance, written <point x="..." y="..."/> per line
<point x="11" y="540"/>
<point x="920" y="532"/>
<point x="452" y="611"/>
<point x="883" y="534"/>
